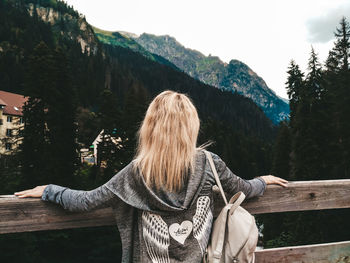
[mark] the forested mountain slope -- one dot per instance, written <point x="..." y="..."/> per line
<point x="234" y="76"/>
<point x="95" y="67"/>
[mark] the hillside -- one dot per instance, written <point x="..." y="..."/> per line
<point x="233" y="77"/>
<point x="233" y="121"/>
<point x="126" y="40"/>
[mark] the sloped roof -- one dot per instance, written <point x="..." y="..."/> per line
<point x="13" y="103"/>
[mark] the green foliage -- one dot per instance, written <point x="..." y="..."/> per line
<point x="49" y="149"/>
<point x="58" y="5"/>
<point x="117" y="39"/>
<point x="87" y="122"/>
<point x="240" y="113"/>
<point x="233" y="77"/>
<point x="121" y="40"/>
<point x="282" y="151"/>
<point x="246" y="156"/>
<point x="315" y="145"/>
<point x="10" y="173"/>
<point x="209" y="69"/>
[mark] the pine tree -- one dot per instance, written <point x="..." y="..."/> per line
<point x="110" y="149"/>
<point x="49" y="150"/>
<point x="314" y="77"/>
<point x="342" y="44"/>
<point x="61" y="121"/>
<point x="320" y="149"/>
<point x="282" y="149"/>
<point x="35" y="137"/>
<point x="330" y="121"/>
<point x="134" y="109"/>
<point x="294" y="84"/>
<point x="317" y="128"/>
<point x="340" y="89"/>
<point x="299" y="98"/>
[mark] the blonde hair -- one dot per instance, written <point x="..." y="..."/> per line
<point x="167" y="141"/>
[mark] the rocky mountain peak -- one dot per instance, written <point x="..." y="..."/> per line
<point x="235" y="76"/>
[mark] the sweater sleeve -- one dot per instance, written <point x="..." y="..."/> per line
<point x="78" y="200"/>
<point x="232" y="183"/>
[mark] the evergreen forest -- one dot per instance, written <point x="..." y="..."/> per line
<point x="314" y="144"/>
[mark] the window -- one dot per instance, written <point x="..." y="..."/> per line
<point x="1" y="122"/>
<point x="9" y="118"/>
<point x="8" y="146"/>
<point x="21" y="120"/>
<point x="8" y="132"/>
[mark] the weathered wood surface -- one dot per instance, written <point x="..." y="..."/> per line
<point x="32" y="214"/>
<point x="338" y="252"/>
<point x="301" y="196"/>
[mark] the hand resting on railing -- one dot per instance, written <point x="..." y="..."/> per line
<point x="38" y="190"/>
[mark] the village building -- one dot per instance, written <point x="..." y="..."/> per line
<point x="91" y="155"/>
<point x="11" y="121"/>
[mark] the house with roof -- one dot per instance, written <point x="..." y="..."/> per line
<point x="102" y="137"/>
<point x="90" y="155"/>
<point x="11" y="120"/>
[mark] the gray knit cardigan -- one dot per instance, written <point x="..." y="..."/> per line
<point x="156" y="225"/>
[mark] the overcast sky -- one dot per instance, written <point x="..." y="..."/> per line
<point x="264" y="34"/>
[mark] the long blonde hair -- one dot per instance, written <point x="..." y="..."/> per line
<point x="167" y="141"/>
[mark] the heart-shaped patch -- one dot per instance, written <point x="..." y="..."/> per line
<point x="181" y="232"/>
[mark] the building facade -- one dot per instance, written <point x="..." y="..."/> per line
<point x="11" y="121"/>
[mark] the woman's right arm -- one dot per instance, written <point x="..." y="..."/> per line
<point x="78" y="200"/>
<point x="72" y="200"/>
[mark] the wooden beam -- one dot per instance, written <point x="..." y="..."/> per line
<point x="32" y="214"/>
<point x="320" y="253"/>
<point x="301" y="196"/>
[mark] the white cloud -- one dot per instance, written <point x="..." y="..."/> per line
<point x="321" y="29"/>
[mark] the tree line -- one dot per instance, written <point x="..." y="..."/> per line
<point x="315" y="143"/>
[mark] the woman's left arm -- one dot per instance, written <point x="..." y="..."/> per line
<point x="271" y="179"/>
<point x="72" y="200"/>
<point x="257" y="186"/>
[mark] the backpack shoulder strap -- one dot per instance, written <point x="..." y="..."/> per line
<point x="236" y="201"/>
<point x="217" y="179"/>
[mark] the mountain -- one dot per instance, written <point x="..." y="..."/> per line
<point x="232" y="120"/>
<point x="126" y="40"/>
<point x="68" y="23"/>
<point x="234" y="76"/>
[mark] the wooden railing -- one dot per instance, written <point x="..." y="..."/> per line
<point x="32" y="214"/>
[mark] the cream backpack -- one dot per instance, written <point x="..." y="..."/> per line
<point x="234" y="234"/>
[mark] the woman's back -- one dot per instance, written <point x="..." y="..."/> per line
<point x="157" y="225"/>
<point x="166" y="226"/>
<point x="163" y="200"/>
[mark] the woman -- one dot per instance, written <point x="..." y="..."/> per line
<point x="163" y="199"/>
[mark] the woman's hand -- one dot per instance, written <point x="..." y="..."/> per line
<point x="35" y="192"/>
<point x="271" y="179"/>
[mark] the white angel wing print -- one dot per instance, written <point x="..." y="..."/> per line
<point x="202" y="222"/>
<point x="156" y="236"/>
